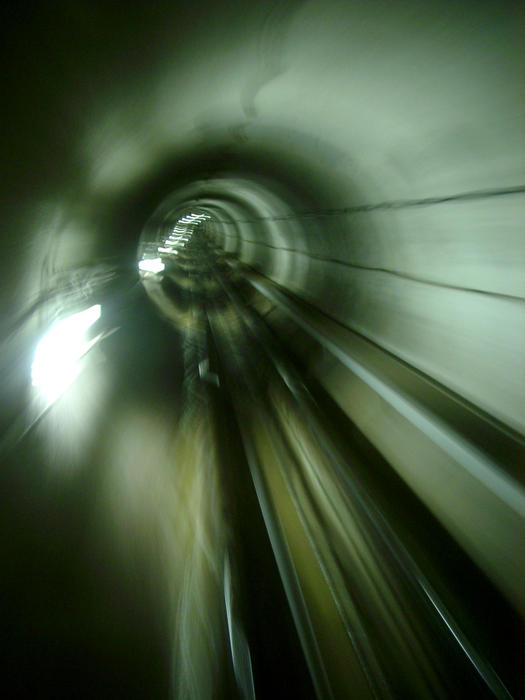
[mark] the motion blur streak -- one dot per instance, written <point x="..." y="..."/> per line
<point x="285" y="453"/>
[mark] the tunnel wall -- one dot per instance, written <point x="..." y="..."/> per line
<point x="407" y="122"/>
<point x="426" y="284"/>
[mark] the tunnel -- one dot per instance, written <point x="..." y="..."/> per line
<point x="263" y="349"/>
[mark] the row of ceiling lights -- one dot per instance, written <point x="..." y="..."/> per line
<point x="179" y="236"/>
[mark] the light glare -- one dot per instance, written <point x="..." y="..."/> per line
<point x="151" y="265"/>
<point x="56" y="363"/>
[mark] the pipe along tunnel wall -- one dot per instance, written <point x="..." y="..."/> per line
<point x="302" y="465"/>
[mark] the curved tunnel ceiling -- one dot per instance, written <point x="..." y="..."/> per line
<point x="367" y="159"/>
<point x="352" y="107"/>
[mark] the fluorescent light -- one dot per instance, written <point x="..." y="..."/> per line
<point x="56" y="363"/>
<point x="151" y="265"/>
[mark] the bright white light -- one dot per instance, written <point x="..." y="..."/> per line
<point x="151" y="265"/>
<point x="57" y="357"/>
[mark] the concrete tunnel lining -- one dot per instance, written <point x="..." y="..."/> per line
<point x="367" y="158"/>
<point x="384" y="157"/>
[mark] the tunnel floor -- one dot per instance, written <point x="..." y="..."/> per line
<point x="266" y="544"/>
